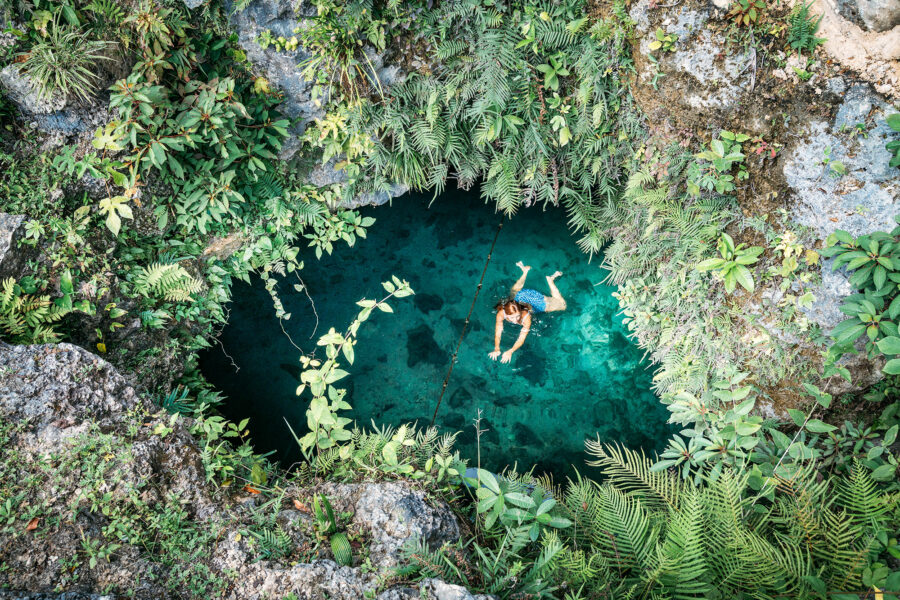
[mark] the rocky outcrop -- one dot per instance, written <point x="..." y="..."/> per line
<point x="54" y="114"/>
<point x="12" y="257"/>
<point x="878" y="15"/>
<point x="391" y="514"/>
<point x="62" y="396"/>
<point x="281" y="68"/>
<point x="867" y="197"/>
<point x="864" y="199"/>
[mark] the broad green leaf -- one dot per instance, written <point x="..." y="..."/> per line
<point x="892" y="367"/>
<point x="488" y="480"/>
<point x="884" y="473"/>
<point x="817" y="426"/>
<point x="797" y="416"/>
<point x="890" y="435"/>
<point x="889" y="345"/>
<point x="519" y="499"/>
<point x="743" y="276"/>
<point x="745" y="407"/>
<point x="743" y="428"/>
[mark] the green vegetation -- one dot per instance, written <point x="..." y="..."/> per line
<point x="526" y="99"/>
<point x="530" y="99"/>
<point x="745" y="12"/>
<point x="27" y="319"/>
<point x="63" y="62"/>
<point x="893" y="122"/>
<point x="326" y="527"/>
<point x="802" y="28"/>
<point x="732" y="266"/>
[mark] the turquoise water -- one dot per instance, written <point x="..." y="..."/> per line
<point x="577" y="376"/>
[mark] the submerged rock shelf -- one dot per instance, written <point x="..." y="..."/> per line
<point x="576" y="377"/>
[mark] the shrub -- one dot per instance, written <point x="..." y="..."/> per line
<point x="64" y="62"/>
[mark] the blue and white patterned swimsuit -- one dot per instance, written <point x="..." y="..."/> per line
<point x="532" y="297"/>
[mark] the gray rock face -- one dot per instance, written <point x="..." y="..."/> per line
<point x="18" y="88"/>
<point x="392" y="514"/>
<point x="702" y="80"/>
<point x="280" y="68"/>
<point x="63" y="596"/>
<point x="62" y="391"/>
<point x="829" y="297"/>
<point x="52" y="114"/>
<point x="863" y="200"/>
<point x="879" y="15"/>
<point x="12" y="258"/>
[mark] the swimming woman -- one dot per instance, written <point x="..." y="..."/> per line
<point x="518" y="310"/>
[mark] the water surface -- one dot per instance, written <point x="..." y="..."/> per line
<point x="577" y="375"/>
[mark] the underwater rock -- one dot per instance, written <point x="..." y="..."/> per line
<point x="460" y="397"/>
<point x="422" y="348"/>
<point x="533" y="365"/>
<point x="475" y="324"/>
<point x="292" y="370"/>
<point x="428" y="302"/>
<point x="524" y="435"/>
<point x="453" y="421"/>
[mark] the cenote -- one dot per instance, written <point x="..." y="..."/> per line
<point x="578" y="375"/>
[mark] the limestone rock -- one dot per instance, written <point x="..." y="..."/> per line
<point x="326" y="174"/>
<point x="865" y="198"/>
<point x="12" y="258"/>
<point x="391" y="514"/>
<point x="18" y="88"/>
<point x="440" y="590"/>
<point x="52" y="114"/>
<point x="701" y="77"/>
<point x="279" y="67"/>
<point x="879" y="15"/>
<point x="62" y="391"/>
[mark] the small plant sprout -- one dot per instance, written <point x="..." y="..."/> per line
<point x="732" y="266"/>
<point x="664" y="41"/>
<point x="745" y="12"/>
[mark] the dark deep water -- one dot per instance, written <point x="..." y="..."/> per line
<point x="577" y="375"/>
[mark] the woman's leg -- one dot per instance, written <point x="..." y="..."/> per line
<point x="555" y="302"/>
<point x="518" y="285"/>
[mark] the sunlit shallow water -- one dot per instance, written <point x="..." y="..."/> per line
<point x="577" y="376"/>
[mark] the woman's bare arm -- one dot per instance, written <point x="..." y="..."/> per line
<point x="498" y="333"/>
<point x="526" y="327"/>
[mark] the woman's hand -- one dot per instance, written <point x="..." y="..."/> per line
<point x="507" y="356"/>
<point x="494" y="355"/>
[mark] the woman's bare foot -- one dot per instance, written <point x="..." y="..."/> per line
<point x="522" y="266"/>
<point x="554" y="276"/>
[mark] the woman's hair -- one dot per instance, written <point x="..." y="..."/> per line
<point x="508" y="305"/>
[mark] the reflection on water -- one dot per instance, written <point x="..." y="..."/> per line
<point x="577" y="375"/>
